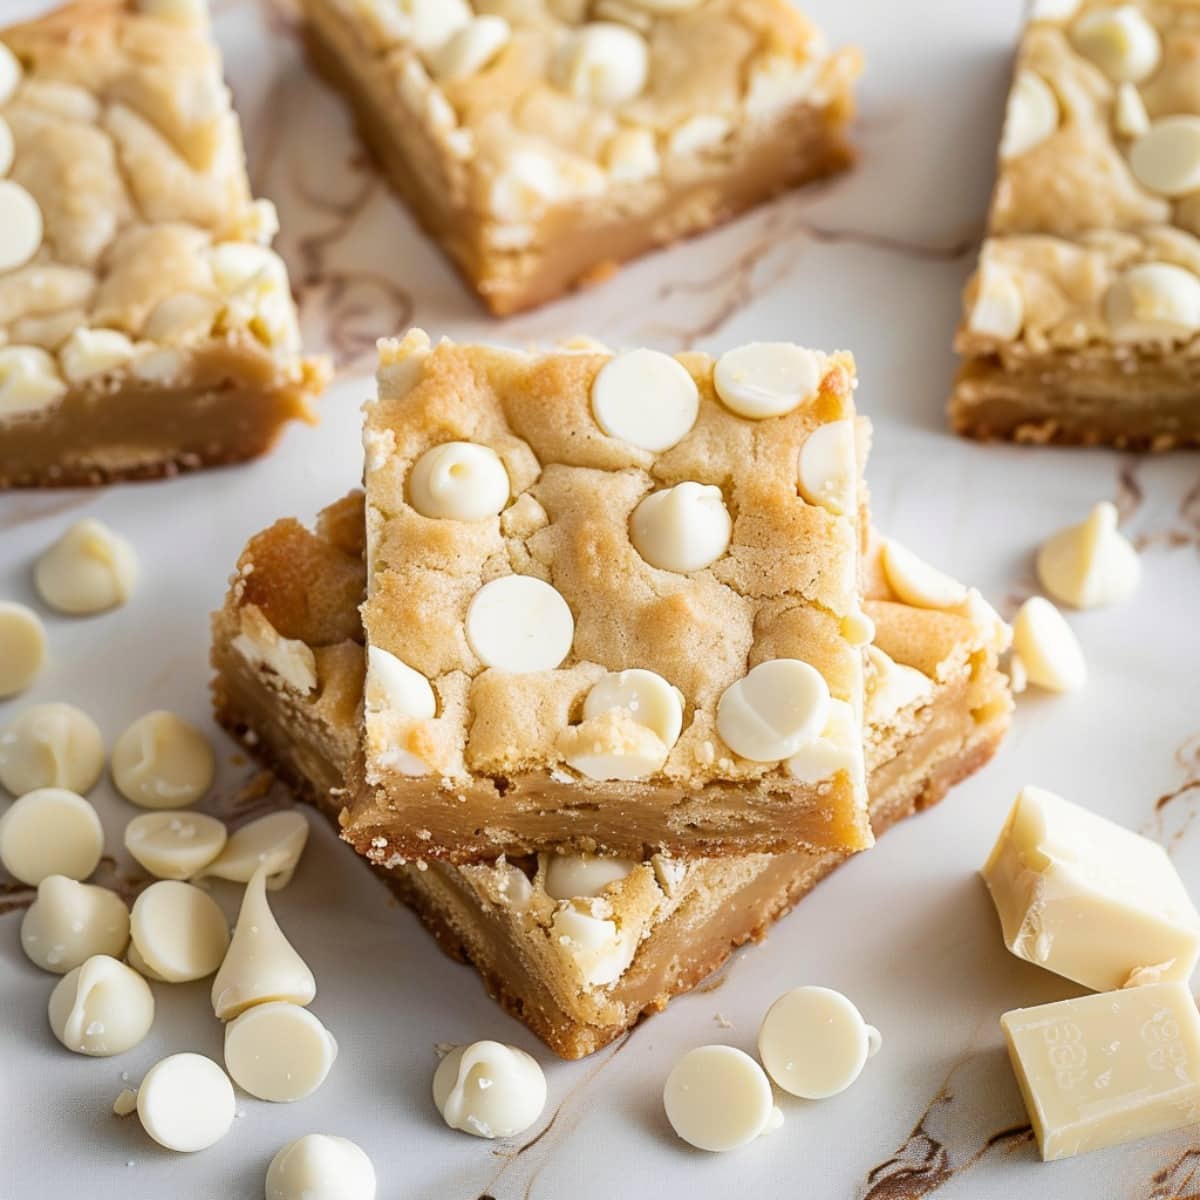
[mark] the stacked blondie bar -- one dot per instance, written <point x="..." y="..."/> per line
<point x="607" y="668"/>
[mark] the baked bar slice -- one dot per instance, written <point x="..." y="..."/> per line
<point x="577" y="947"/>
<point x="610" y="600"/>
<point x="543" y="142"/>
<point x="1081" y="323"/>
<point x="145" y="325"/>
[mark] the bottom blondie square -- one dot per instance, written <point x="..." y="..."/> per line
<point x="580" y="948"/>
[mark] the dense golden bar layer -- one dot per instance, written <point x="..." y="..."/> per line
<point x="577" y="948"/>
<point x="145" y="325"/>
<point x="544" y="142"/>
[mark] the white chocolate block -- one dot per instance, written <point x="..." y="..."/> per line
<point x="1087" y="899"/>
<point x="1107" y="1069"/>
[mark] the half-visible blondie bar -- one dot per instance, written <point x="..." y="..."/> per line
<point x="543" y="142"/>
<point x="145" y="327"/>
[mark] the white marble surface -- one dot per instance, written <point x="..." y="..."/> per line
<point x="872" y="262"/>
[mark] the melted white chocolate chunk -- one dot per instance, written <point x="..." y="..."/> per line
<point x="489" y="1089"/>
<point x="682" y="528"/>
<point x="278" y="1052"/>
<point x="602" y="62"/>
<point x="101" y="1008"/>
<point x="174" y="845"/>
<point x="1153" y="302"/>
<point x="459" y="481"/>
<point x="88" y="570"/>
<point x="161" y="761"/>
<point x="88" y="353"/>
<point x="1048" y="649"/>
<point x="1090" y="564"/>
<point x="29" y="381"/>
<point x="179" y="932"/>
<point x="718" y="1098"/>
<point x="70" y="922"/>
<point x="772" y="712"/>
<point x="22" y="647"/>
<point x="767" y="379"/>
<point x="568" y="876"/>
<point x="50" y="745"/>
<point x="21" y="227"/>
<point x="1120" y="41"/>
<point x="828" y="468"/>
<point x="1167" y="158"/>
<point x="274" y="842"/>
<point x="645" y="398"/>
<point x="1031" y="117"/>
<point x="838" y="748"/>
<point x="50" y="831"/>
<point x="891" y="687"/>
<point x="186" y="1103"/>
<point x="519" y="623"/>
<point x="916" y="582"/>
<point x="320" y="1166"/>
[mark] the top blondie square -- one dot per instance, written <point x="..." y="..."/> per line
<point x="613" y="602"/>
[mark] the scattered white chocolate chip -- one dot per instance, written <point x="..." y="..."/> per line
<point x="767" y="379"/>
<point x="10" y="73"/>
<point x="1167" y="158"/>
<point x="22" y="647"/>
<point x="278" y="1051"/>
<point x="598" y="950"/>
<point x="320" y="1166"/>
<point x="891" y="687"/>
<point x="648" y="697"/>
<point x="998" y="309"/>
<point x="275" y="842"/>
<point x="827" y="472"/>
<point x="1091" y="564"/>
<point x="261" y="964"/>
<point x="50" y="831"/>
<point x="91" y="352"/>
<point x="916" y="582"/>
<point x="29" y="380"/>
<point x="814" y="1042"/>
<point x="1153" y="302"/>
<point x="470" y="49"/>
<point x="88" y="570"/>
<point x="773" y="711"/>
<point x="1130" y="118"/>
<point x="719" y="1098"/>
<point x="179" y="932"/>
<point x="20" y="226"/>
<point x="50" y="745"/>
<point x="1047" y="647"/>
<point x="602" y="62"/>
<point x="459" y="481"/>
<point x="645" y="398"/>
<point x="161" y="761"/>
<point x="393" y="689"/>
<point x="838" y="748"/>
<point x="489" y="1089"/>
<point x="135" y="960"/>
<point x="125" y="1104"/>
<point x="70" y="922"/>
<point x="186" y="1103"/>
<point x="101" y="1008"/>
<point x="174" y="845"/>
<point x="1120" y="41"/>
<point x="529" y="182"/>
<point x="682" y="528"/>
<point x="519" y="623"/>
<point x="1031" y="117"/>
<point x="569" y="876"/>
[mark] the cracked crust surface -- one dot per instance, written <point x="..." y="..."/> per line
<point x="151" y="328"/>
<point x="498" y="777"/>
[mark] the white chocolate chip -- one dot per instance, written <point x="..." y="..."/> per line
<point x="570" y="876"/>
<point x="1018" y="677"/>
<point x="135" y="960"/>
<point x="773" y="711"/>
<point x="50" y="745"/>
<point x="394" y="690"/>
<point x="648" y="697"/>
<point x="645" y="398"/>
<point x="275" y="842"/>
<point x="892" y="687"/>
<point x="767" y="379"/>
<point x="161" y="761"/>
<point x="814" y="1042"/>
<point x="1031" y="117"/>
<point x="718" y="1098"/>
<point x="632" y="156"/>
<point x="21" y="227"/>
<point x="459" y="481"/>
<point x="839" y="748"/>
<point x="10" y="73"/>
<point x="1120" y="41"/>
<point x="261" y="964"/>
<point x="529" y="183"/>
<point x="7" y="147"/>
<point x="599" y="952"/>
<point x="1047" y="647"/>
<point x="186" y="12"/>
<point x="22" y="647"/>
<point x="179" y="932"/>
<point x="1091" y="564"/>
<point x="174" y="845"/>
<point x="91" y="352"/>
<point x="471" y="48"/>
<point x="1130" y="118"/>
<point x="1153" y="302"/>
<point x="125" y="1104"/>
<point x="320" y="1166"/>
<point x="602" y="62"/>
<point x="433" y="22"/>
<point x="186" y="1103"/>
<point x="858" y="629"/>
<point x="828" y="468"/>
<point x="777" y="81"/>
<point x="182" y="318"/>
<point x="70" y="922"/>
<point x="29" y="381"/>
<point x="50" y="831"/>
<point x="289" y="662"/>
<point x="254" y="283"/>
<point x="489" y="1089"/>
<point x="1167" y="158"/>
<point x="683" y="528"/>
<point x="1054" y="10"/>
<point x="916" y="582"/>
<point x="278" y="1052"/>
<point x="88" y="570"/>
<point x="519" y="623"/>
<point x="998" y="309"/>
<point x="101" y="1008"/>
<point x="698" y="134"/>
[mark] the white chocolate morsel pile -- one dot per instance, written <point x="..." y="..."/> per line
<point x="489" y="1089"/>
<point x="321" y="1167"/>
<point x="22" y="647"/>
<point x="88" y="570"/>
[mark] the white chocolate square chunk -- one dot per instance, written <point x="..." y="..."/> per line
<point x="1102" y="1070"/>
<point x="1089" y="900"/>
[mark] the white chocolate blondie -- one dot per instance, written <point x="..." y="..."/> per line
<point x="543" y="142"/>
<point x="145" y="325"/>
